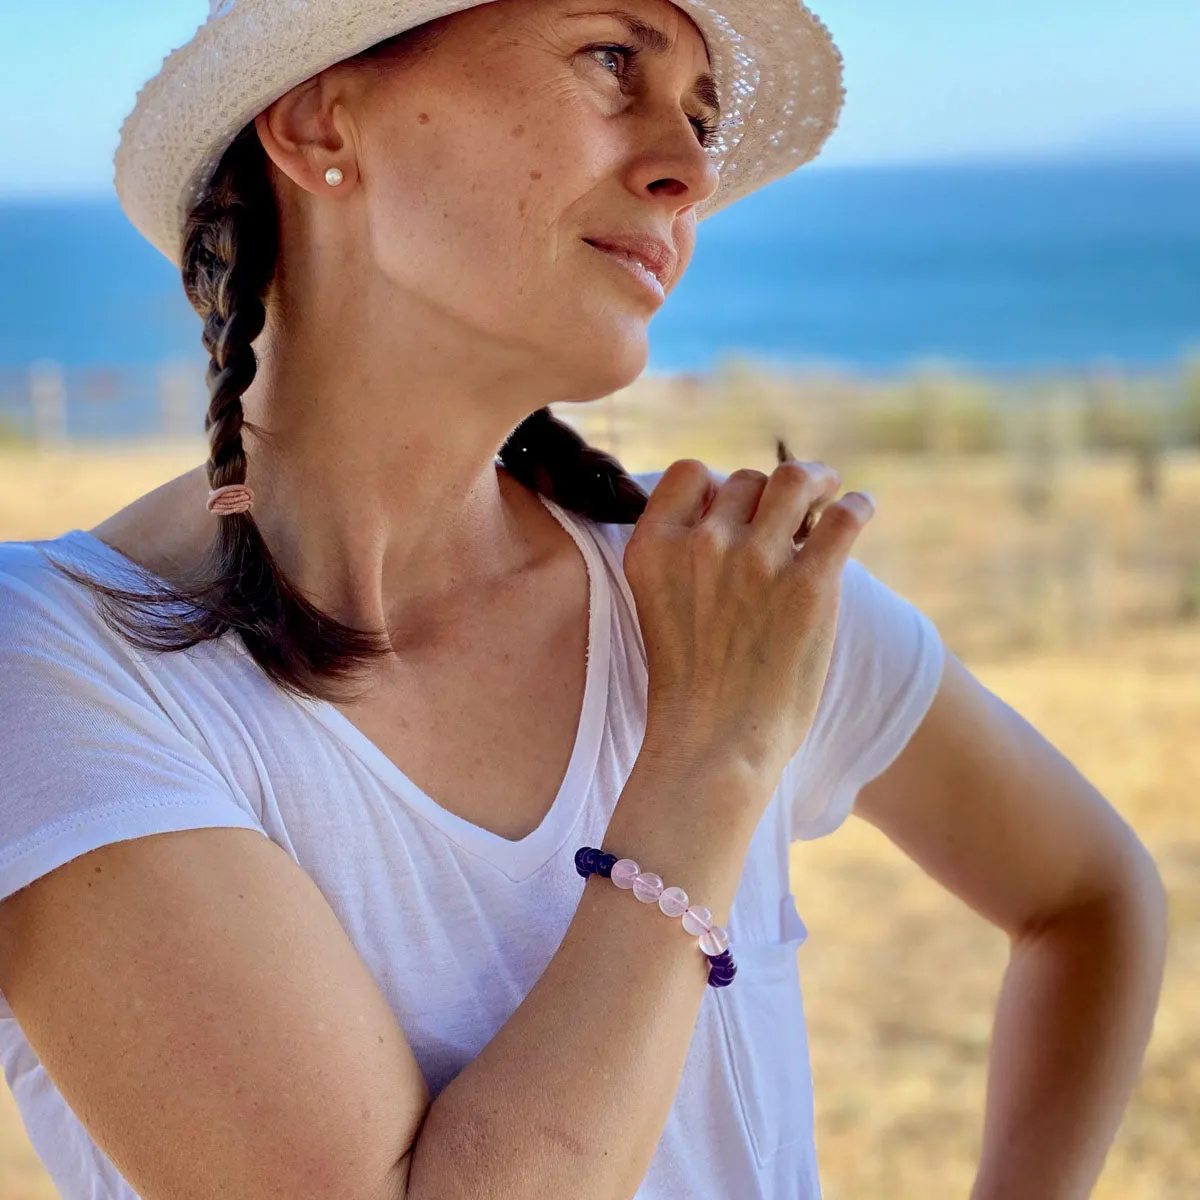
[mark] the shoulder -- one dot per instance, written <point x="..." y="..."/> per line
<point x="31" y="588"/>
<point x="48" y="619"/>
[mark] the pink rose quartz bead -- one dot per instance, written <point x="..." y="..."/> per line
<point x="647" y="887"/>
<point x="673" y="902"/>
<point x="715" y="941"/>
<point x="697" y="919"/>
<point x="623" y="872"/>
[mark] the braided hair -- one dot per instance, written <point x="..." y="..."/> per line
<point x="229" y="257"/>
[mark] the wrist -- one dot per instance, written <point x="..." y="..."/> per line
<point x="689" y="819"/>
<point x="702" y="771"/>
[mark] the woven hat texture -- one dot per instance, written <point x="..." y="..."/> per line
<point x="777" y="70"/>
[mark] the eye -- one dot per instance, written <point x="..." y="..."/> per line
<point x="626" y="53"/>
<point x="705" y="127"/>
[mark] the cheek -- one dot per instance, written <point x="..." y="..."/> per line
<point x="476" y="213"/>
<point x="468" y="227"/>
<point x="439" y="195"/>
<point x="473" y="205"/>
<point x="685" y="243"/>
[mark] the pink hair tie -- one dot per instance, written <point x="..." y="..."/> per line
<point x="230" y="499"/>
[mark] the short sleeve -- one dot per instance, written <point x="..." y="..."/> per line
<point x="885" y="668"/>
<point x="87" y="755"/>
<point x="884" y="671"/>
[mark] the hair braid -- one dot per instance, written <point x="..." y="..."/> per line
<point x="228" y="262"/>
<point x="547" y="455"/>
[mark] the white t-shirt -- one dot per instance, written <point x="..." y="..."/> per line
<point x="101" y="742"/>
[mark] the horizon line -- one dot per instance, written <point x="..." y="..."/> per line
<point x="1183" y="157"/>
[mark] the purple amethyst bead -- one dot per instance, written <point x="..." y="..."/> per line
<point x="587" y="860"/>
<point x="722" y="969"/>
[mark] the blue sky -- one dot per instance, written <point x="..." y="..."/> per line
<point x="926" y="80"/>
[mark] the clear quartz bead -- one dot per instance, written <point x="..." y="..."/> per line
<point x="623" y="872"/>
<point x="673" y="902"/>
<point x="715" y="941"/>
<point x="697" y="920"/>
<point x="647" y="887"/>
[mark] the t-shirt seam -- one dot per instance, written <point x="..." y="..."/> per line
<point x="856" y="775"/>
<point x="92" y="817"/>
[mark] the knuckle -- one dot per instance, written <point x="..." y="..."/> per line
<point x="842" y="516"/>
<point x="794" y="472"/>
<point x="757" y="559"/>
<point x="689" y="467"/>
<point x="748" y="473"/>
<point x="707" y="540"/>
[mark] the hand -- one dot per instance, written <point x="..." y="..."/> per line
<point x="738" y="619"/>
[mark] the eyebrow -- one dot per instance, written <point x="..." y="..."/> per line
<point x="651" y="38"/>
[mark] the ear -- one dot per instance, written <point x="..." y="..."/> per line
<point x="307" y="130"/>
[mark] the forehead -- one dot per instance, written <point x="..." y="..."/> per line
<point x="665" y="26"/>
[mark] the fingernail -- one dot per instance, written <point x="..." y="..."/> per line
<point x="869" y="499"/>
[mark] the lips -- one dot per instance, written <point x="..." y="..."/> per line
<point x="655" y="255"/>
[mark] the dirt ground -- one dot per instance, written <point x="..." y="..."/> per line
<point x="900" y="978"/>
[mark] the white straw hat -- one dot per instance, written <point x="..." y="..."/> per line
<point x="777" y="70"/>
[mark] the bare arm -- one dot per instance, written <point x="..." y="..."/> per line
<point x="198" y="1005"/>
<point x="200" y="1008"/>
<point x="985" y="805"/>
<point x="571" y="1095"/>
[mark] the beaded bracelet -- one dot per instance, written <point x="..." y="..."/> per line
<point x="648" y="888"/>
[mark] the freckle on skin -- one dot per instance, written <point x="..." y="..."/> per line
<point x="535" y="174"/>
<point x="422" y="118"/>
<point x="518" y="130"/>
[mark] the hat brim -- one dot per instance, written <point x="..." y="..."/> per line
<point x="777" y="70"/>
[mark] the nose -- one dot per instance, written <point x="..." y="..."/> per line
<point x="675" y="167"/>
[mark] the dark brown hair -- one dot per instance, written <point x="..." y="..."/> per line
<point x="229" y="255"/>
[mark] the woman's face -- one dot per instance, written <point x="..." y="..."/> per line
<point x="485" y="162"/>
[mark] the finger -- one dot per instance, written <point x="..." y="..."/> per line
<point x="681" y="494"/>
<point x="831" y="541"/>
<point x="737" y="497"/>
<point x="812" y="517"/>
<point x="816" y="507"/>
<point x="790" y="493"/>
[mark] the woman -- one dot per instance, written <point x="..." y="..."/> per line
<point x="399" y="578"/>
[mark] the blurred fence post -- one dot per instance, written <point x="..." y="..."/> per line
<point x="48" y="402"/>
<point x="1090" y="578"/>
<point x="175" y="399"/>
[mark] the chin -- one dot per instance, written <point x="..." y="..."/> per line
<point x="610" y="359"/>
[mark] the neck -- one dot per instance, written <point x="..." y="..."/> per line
<point x="376" y="486"/>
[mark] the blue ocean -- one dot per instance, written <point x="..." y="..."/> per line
<point x="996" y="268"/>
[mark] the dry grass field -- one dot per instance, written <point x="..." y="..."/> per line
<point x="1095" y="646"/>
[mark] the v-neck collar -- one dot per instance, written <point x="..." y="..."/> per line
<point x="516" y="859"/>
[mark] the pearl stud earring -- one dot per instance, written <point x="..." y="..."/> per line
<point x="333" y="176"/>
